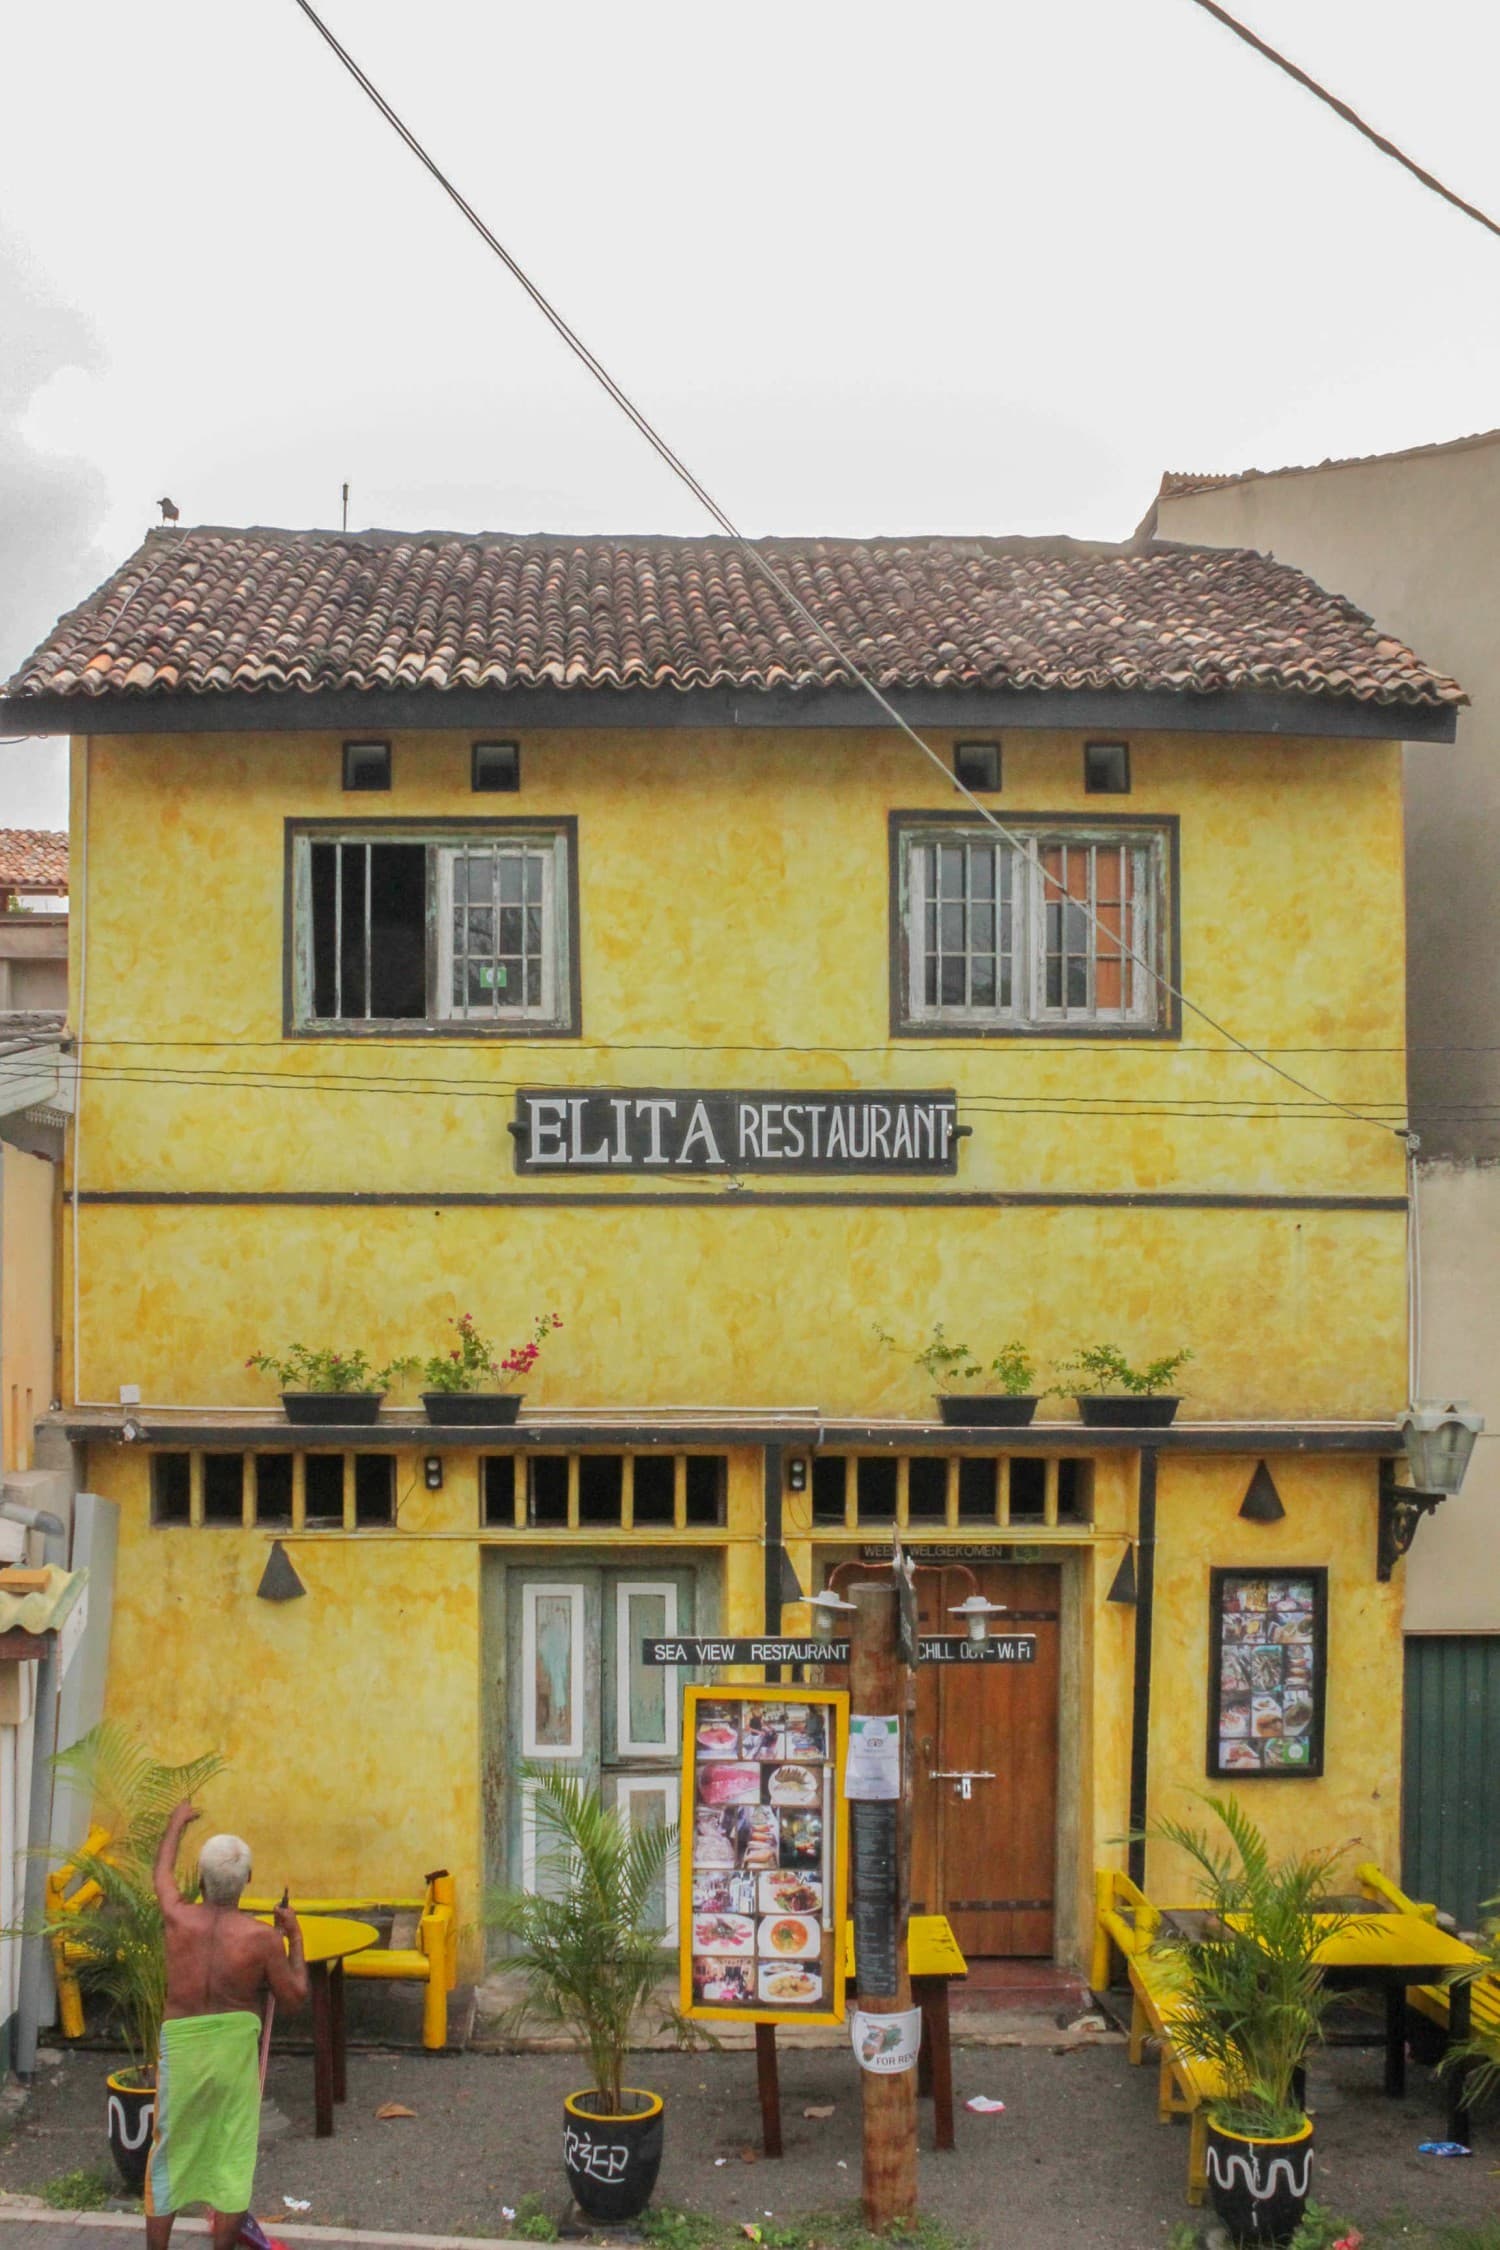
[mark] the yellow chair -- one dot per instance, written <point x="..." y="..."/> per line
<point x="431" y="1962"/>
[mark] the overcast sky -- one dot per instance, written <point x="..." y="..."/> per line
<point x="984" y="267"/>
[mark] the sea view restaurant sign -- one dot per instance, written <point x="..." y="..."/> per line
<point x="646" y="1130"/>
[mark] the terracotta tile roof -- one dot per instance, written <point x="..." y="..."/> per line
<point x="33" y="859"/>
<point x="200" y="611"/>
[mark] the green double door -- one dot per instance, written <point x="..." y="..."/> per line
<point x="580" y="1698"/>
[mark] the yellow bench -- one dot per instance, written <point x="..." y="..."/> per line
<point x="1431" y="2000"/>
<point x="431" y="1962"/>
<point x="1126" y="1920"/>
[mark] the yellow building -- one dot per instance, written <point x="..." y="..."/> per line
<point x="515" y="926"/>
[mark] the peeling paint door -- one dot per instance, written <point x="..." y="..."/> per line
<point x="581" y="1698"/>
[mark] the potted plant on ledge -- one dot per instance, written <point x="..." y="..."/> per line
<point x="1008" y="1403"/>
<point x="1252" y="2003"/>
<point x="329" y="1386"/>
<point x="462" y="1384"/>
<point x="588" y="1943"/>
<point x="1111" y="1394"/>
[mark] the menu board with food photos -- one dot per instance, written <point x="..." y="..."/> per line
<point x="1269" y="1683"/>
<point x="764" y="1854"/>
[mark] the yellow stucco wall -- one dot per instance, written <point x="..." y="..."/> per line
<point x="734" y="908"/>
<point x="1330" y="1520"/>
<point x="28" y="1229"/>
<point x="734" y="895"/>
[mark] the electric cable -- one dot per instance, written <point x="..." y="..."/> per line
<point x="753" y="555"/>
<point x="1350" y="116"/>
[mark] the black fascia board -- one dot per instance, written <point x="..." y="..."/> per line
<point x="521" y="710"/>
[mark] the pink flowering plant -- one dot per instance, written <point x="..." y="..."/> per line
<point x="474" y="1363"/>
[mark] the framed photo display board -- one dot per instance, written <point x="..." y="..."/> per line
<point x="764" y="1854"/>
<point x="1268" y="1678"/>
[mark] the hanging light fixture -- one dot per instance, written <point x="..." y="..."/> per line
<point x="1122" y="1585"/>
<point x="827" y="1608"/>
<point x="1262" y="1502"/>
<point x="976" y="1613"/>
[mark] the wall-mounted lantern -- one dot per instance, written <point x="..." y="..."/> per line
<point x="1438" y="1441"/>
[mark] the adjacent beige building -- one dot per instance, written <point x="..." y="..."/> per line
<point x="1414" y="538"/>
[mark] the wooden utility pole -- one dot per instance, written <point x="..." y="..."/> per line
<point x="881" y="1849"/>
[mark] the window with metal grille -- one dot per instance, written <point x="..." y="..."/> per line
<point x="593" y="1491"/>
<point x="1062" y="927"/>
<point x="472" y="928"/>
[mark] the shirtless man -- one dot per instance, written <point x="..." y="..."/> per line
<point x="220" y="1966"/>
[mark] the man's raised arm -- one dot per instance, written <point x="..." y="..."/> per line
<point x="287" y="1972"/>
<point x="163" y="1874"/>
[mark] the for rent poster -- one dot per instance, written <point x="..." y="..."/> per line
<point x="764" y="1854"/>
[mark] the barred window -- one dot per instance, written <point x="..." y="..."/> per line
<point x="1057" y="928"/>
<point x="470" y="929"/>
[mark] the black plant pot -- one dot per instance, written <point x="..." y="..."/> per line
<point x="1114" y="1410"/>
<point x="332" y="1406"/>
<point x="131" y="2114"/>
<point x="612" y="2161"/>
<point x="991" y="1410"/>
<point x="472" y="1408"/>
<point x="1260" y="2188"/>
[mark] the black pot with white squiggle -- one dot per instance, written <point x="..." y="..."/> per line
<point x="131" y="2111"/>
<point x="612" y="2157"/>
<point x="1259" y="2188"/>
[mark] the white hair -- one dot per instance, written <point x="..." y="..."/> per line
<point x="224" y="1869"/>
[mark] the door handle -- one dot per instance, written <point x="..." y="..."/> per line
<point x="964" y="1781"/>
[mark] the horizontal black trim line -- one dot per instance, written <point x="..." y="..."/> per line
<point x="519" y="710"/>
<point x="724" y="1199"/>
<point x="225" y="1434"/>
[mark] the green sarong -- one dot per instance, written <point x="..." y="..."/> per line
<point x="207" y="2113"/>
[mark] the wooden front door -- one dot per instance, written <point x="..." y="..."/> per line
<point x="988" y="1860"/>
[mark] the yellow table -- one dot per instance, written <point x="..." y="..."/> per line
<point x="327" y="1942"/>
<point x="1387" y="1953"/>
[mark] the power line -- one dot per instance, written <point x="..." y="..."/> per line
<point x="752" y="554"/>
<point x="1350" y="116"/>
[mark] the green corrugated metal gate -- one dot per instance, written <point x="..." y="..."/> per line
<point x="1451" y="1809"/>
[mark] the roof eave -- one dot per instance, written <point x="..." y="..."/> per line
<point x="1276" y="712"/>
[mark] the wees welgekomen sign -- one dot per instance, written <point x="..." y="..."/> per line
<point x="642" y="1129"/>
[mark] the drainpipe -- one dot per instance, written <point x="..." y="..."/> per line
<point x="43" y="1744"/>
<point x="1140" y="1717"/>
<point x="771" y="1542"/>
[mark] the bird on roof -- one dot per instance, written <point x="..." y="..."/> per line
<point x="169" y="510"/>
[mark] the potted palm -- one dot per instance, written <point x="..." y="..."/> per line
<point x="111" y="1922"/>
<point x="329" y="1386"/>
<point x="1111" y="1394"/>
<point x="1252" y="2003"/>
<point x="1009" y="1398"/>
<point x="463" y="1384"/>
<point x="587" y="1941"/>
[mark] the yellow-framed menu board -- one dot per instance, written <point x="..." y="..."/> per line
<point x="765" y="1854"/>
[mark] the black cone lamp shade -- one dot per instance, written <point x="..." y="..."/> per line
<point x="1262" y="1501"/>
<point x="279" y="1581"/>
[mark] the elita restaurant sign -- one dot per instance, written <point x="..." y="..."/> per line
<point x="642" y="1129"/>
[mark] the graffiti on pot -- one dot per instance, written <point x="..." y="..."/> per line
<point x="131" y="2133"/>
<point x="601" y="2160"/>
<point x="1222" y="2166"/>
